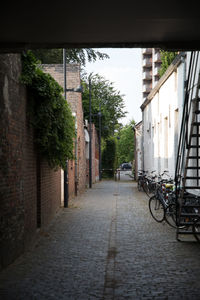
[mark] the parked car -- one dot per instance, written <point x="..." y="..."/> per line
<point x="126" y="166"/>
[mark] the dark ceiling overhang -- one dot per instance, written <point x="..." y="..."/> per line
<point x="64" y="24"/>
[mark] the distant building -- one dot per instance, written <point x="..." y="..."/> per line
<point x="151" y="63"/>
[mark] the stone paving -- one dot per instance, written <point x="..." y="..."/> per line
<point x="106" y="246"/>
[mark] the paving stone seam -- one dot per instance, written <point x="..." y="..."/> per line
<point x="110" y="278"/>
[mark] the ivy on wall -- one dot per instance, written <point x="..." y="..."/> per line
<point x="50" y="114"/>
<point x="166" y="58"/>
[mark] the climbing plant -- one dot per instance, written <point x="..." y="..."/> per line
<point x="166" y="59"/>
<point x="49" y="113"/>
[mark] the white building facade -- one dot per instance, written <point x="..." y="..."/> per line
<point x="161" y="113"/>
<point x="138" y="148"/>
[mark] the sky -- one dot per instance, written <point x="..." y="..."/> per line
<point x="124" y="70"/>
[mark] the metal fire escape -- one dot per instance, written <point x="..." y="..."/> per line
<point x="187" y="174"/>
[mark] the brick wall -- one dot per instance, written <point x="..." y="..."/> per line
<point x="76" y="169"/>
<point x="71" y="179"/>
<point x="20" y="186"/>
<point x="12" y="184"/>
<point x="81" y="157"/>
<point x="95" y="157"/>
<point x="50" y="193"/>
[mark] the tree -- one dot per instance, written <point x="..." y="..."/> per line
<point x="103" y="94"/>
<point x="166" y="58"/>
<point x="109" y="156"/>
<point x="74" y="55"/>
<point x="125" y="145"/>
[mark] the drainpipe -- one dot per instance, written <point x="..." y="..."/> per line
<point x="76" y="169"/>
<point x="143" y="140"/>
<point x="76" y="158"/>
<point x="99" y="141"/>
<point x="66" y="187"/>
<point x="90" y="132"/>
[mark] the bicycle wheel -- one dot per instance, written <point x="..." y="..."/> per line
<point x="151" y="188"/>
<point x="170" y="215"/>
<point x="145" y="187"/>
<point x="156" y="209"/>
<point x="139" y="185"/>
<point x="196" y="229"/>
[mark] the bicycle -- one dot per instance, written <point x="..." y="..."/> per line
<point x="150" y="186"/>
<point x="162" y="205"/>
<point x="141" y="178"/>
<point x="196" y="229"/>
<point x="146" y="182"/>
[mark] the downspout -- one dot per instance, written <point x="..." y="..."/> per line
<point x="76" y="159"/>
<point x="135" y="154"/>
<point x="100" y="142"/>
<point x="90" y="132"/>
<point x="143" y="139"/>
<point x="66" y="187"/>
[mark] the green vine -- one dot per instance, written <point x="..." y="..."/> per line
<point x="166" y="58"/>
<point x="50" y="114"/>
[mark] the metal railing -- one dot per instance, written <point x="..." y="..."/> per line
<point x="191" y="93"/>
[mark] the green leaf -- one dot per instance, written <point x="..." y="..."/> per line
<point x="49" y="113"/>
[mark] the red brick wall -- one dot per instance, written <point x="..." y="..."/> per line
<point x="30" y="183"/>
<point x="75" y="101"/>
<point x="50" y="193"/>
<point x="18" y="168"/>
<point x="81" y="157"/>
<point x="12" y="180"/>
<point x="95" y="157"/>
<point x="71" y="179"/>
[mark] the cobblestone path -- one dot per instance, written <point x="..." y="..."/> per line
<point x="106" y="246"/>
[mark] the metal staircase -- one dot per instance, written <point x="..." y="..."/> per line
<point x="187" y="174"/>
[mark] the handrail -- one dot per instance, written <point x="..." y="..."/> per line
<point x="186" y="120"/>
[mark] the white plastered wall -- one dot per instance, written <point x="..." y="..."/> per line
<point x="162" y="119"/>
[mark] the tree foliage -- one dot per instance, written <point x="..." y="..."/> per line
<point x="166" y="59"/>
<point x="73" y="55"/>
<point x="108" y="157"/>
<point x="49" y="112"/>
<point x="125" y="144"/>
<point x="105" y="98"/>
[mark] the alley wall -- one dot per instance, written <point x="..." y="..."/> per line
<point x="162" y="113"/>
<point x="76" y="168"/>
<point x="30" y="191"/>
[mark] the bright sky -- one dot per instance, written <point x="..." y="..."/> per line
<point x="124" y="69"/>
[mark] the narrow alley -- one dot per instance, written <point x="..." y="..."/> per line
<point x="106" y="246"/>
